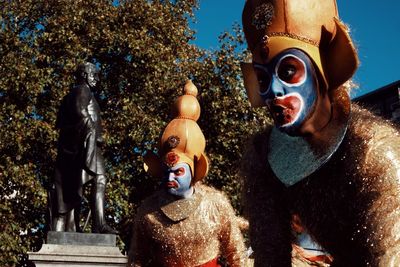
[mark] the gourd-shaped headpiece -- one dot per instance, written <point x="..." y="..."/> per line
<point x="182" y="139"/>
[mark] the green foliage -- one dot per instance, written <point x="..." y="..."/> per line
<point x="145" y="52"/>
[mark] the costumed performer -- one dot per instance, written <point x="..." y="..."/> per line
<point x="330" y="162"/>
<point x="186" y="223"/>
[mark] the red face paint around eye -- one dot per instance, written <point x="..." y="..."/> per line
<point x="179" y="172"/>
<point x="291" y="70"/>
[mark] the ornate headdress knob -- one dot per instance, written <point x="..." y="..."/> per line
<point x="187" y="106"/>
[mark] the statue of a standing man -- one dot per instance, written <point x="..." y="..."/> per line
<point x="79" y="158"/>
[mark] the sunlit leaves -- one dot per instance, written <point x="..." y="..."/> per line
<point x="145" y="53"/>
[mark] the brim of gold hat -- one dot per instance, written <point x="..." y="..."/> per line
<point x="277" y="44"/>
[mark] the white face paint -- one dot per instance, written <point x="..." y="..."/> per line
<point x="289" y="86"/>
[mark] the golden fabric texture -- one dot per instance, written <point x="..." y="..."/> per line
<point x="182" y="236"/>
<point x="351" y="205"/>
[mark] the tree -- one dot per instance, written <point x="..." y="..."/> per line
<point x="145" y="53"/>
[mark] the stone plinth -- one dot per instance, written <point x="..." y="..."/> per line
<point x="78" y="249"/>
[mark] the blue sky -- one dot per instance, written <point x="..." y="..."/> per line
<point x="375" y="29"/>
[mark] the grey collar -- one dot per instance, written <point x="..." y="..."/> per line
<point x="292" y="158"/>
<point x="180" y="209"/>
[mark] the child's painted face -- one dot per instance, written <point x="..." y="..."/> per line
<point x="177" y="180"/>
<point x="289" y="87"/>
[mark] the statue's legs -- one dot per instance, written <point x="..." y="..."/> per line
<point x="70" y="221"/>
<point x="98" y="202"/>
<point x="65" y="222"/>
<point x="59" y="223"/>
<point x="77" y="218"/>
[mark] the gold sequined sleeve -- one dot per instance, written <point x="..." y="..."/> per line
<point x="232" y="245"/>
<point x="381" y="172"/>
<point x="139" y="246"/>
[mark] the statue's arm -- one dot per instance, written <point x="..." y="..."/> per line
<point x="82" y="96"/>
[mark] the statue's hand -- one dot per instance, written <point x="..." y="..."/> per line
<point x="100" y="140"/>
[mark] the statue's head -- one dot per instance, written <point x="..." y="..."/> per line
<point x="87" y="73"/>
<point x="301" y="52"/>
<point x="181" y="161"/>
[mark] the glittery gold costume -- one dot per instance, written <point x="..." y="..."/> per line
<point x="351" y="205"/>
<point x="177" y="233"/>
<point x="340" y="172"/>
<point x="195" y="231"/>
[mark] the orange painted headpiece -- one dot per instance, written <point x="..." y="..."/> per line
<point x="272" y="26"/>
<point x="182" y="139"/>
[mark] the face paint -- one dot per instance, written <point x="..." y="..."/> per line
<point x="289" y="87"/>
<point x="177" y="180"/>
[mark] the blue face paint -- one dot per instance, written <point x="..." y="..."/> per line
<point x="178" y="180"/>
<point x="289" y="87"/>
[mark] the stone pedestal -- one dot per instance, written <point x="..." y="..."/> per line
<point x="78" y="249"/>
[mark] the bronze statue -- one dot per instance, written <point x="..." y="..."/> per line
<point x="79" y="158"/>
